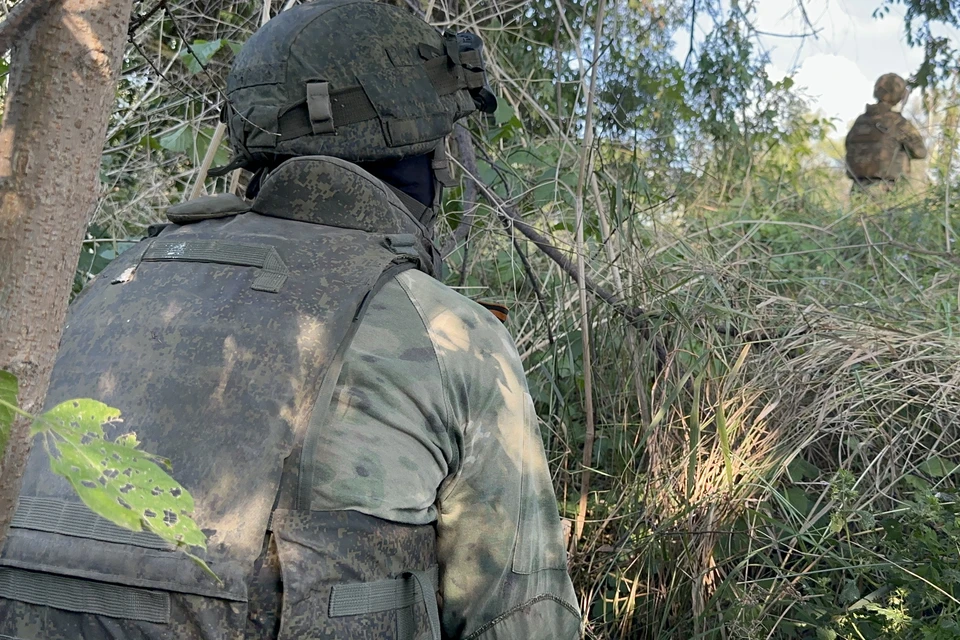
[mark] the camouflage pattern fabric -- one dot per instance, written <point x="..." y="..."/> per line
<point x="432" y="422"/>
<point x="880" y="145"/>
<point x="175" y="332"/>
<point x="311" y="552"/>
<point x="373" y="57"/>
<point x="315" y="552"/>
<point x="188" y="615"/>
<point x="430" y="435"/>
<point x="341" y="191"/>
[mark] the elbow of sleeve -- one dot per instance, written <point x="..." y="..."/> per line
<point x="919" y="153"/>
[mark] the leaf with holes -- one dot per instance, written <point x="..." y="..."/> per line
<point x="8" y="400"/>
<point x="115" y="479"/>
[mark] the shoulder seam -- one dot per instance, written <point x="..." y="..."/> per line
<point x="444" y="378"/>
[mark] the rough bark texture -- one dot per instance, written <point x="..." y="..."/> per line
<point x="21" y="17"/>
<point x="60" y="93"/>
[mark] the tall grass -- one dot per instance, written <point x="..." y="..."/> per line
<point x="785" y="468"/>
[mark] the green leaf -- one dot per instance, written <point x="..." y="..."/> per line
<point x="504" y="112"/>
<point x="937" y="467"/>
<point x="837" y="521"/>
<point x="850" y="592"/>
<point x="916" y="483"/>
<point x="149" y="142"/>
<point x="222" y="155"/>
<point x="115" y="479"/>
<point x="8" y="400"/>
<point x="797" y="498"/>
<point x="826" y="634"/>
<point x="180" y="140"/>
<point x="199" y="53"/>
<point x="801" y="470"/>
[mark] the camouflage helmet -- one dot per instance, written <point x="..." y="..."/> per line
<point x="890" y="88"/>
<point x="353" y="79"/>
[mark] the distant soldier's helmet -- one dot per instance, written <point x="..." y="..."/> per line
<point x="890" y="88"/>
<point x="353" y="79"/>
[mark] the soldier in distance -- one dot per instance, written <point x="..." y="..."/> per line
<point x="882" y="142"/>
<point x="359" y="439"/>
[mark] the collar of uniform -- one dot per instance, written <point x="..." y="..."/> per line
<point x="331" y="191"/>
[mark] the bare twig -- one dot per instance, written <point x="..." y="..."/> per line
<point x="212" y="148"/>
<point x="468" y="158"/>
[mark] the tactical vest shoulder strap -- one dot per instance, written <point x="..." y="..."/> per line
<point x="207" y="208"/>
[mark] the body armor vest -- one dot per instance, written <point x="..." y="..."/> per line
<point x="220" y="339"/>
<point x="874" y="150"/>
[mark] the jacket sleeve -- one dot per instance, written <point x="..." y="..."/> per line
<point x="912" y="141"/>
<point x="503" y="565"/>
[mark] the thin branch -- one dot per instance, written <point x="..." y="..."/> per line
<point x="531" y="276"/>
<point x="468" y="159"/>
<point x="221" y="129"/>
<point x="636" y="316"/>
<point x="586" y="168"/>
<point x="693" y="31"/>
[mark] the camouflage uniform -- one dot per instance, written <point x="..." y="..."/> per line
<point x="357" y="437"/>
<point x="432" y="422"/>
<point x="882" y="142"/>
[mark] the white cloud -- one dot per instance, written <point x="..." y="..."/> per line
<point x="835" y="86"/>
<point x="844" y="28"/>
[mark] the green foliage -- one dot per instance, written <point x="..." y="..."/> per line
<point x="193" y="143"/>
<point x="97" y="252"/>
<point x="198" y="54"/>
<point x="113" y="478"/>
<point x="883" y="577"/>
<point x="8" y="400"/>
<point x="920" y="22"/>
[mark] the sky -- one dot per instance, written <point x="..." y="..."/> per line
<point x="835" y="69"/>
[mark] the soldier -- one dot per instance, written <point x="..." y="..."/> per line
<point x="881" y="142"/>
<point x="357" y="437"/>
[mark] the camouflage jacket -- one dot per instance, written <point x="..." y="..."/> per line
<point x="432" y="422"/>
<point x="881" y="144"/>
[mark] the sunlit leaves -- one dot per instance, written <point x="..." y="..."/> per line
<point x="8" y="400"/>
<point x="198" y="54"/>
<point x="115" y="479"/>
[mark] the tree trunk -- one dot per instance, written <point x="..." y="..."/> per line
<point x="59" y="97"/>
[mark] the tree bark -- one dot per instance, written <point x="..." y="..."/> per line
<point x="59" y="97"/>
<point x="21" y="17"/>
